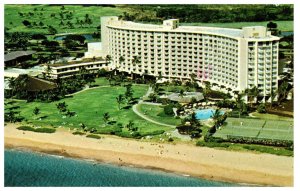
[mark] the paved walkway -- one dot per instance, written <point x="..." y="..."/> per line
<point x="88" y="88"/>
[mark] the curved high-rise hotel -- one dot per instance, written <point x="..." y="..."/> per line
<point x="235" y="58"/>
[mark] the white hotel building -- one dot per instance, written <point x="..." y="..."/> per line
<point x="235" y="58"/>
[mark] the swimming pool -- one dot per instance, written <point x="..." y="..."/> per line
<point x="206" y="113"/>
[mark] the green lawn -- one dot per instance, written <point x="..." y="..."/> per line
<point x="13" y="20"/>
<point x="268" y="116"/>
<point x="281" y="25"/>
<point x="259" y="128"/>
<point x="156" y="113"/>
<point x="89" y="106"/>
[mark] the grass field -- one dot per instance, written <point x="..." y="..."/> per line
<point x="281" y="25"/>
<point x="89" y="105"/>
<point x="269" y="129"/>
<point x="156" y="113"/>
<point x="13" y="21"/>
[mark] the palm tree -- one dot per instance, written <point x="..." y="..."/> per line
<point x="121" y="60"/>
<point x="255" y="93"/>
<point x="62" y="107"/>
<point x="282" y="91"/>
<point x="106" y="117"/>
<point x="181" y="93"/>
<point x="129" y="92"/>
<point x="130" y="125"/>
<point x="12" y="85"/>
<point x="207" y="86"/>
<point x="229" y="90"/>
<point x="83" y="127"/>
<point x="272" y="97"/>
<point x="240" y="103"/>
<point x="48" y="70"/>
<point x="120" y="100"/>
<point x="36" y="111"/>
<point x="135" y="60"/>
<point x="108" y="59"/>
<point x="217" y="117"/>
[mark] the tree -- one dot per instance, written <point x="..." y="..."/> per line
<point x="36" y="111"/>
<point x="38" y="37"/>
<point x="108" y="59"/>
<point x="11" y="82"/>
<point x="106" y="117"/>
<point x="217" y="117"/>
<point x="207" y="86"/>
<point x="52" y="30"/>
<point x="135" y="60"/>
<point x="130" y="126"/>
<point x="26" y="23"/>
<point x="240" y="103"/>
<point x="48" y="71"/>
<point x="62" y="107"/>
<point x="120" y="100"/>
<point x="129" y="92"/>
<point x="272" y="97"/>
<point x="282" y="91"/>
<point x="261" y="108"/>
<point x="10" y="116"/>
<point x="271" y="25"/>
<point x="181" y="93"/>
<point x="121" y="60"/>
<point x="168" y="109"/>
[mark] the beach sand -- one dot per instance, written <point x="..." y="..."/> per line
<point x="187" y="159"/>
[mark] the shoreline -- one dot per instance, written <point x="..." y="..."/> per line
<point x="211" y="164"/>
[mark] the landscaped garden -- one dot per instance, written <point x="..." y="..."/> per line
<point x="156" y="112"/>
<point x="93" y="110"/>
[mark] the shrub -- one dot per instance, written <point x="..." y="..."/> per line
<point x="38" y="130"/>
<point x="260" y="141"/>
<point x="209" y="138"/>
<point x="93" y="136"/>
<point x="152" y="133"/>
<point x="170" y="139"/>
<point x="112" y="130"/>
<point x="212" y="144"/>
<point x="168" y="110"/>
<point x="261" y="108"/>
<point x="78" y="133"/>
<point x="45" y="130"/>
<point x="128" y="134"/>
<point x="26" y="128"/>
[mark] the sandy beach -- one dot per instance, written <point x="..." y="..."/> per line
<point x="208" y="163"/>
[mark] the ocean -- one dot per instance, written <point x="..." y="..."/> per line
<point x="33" y="169"/>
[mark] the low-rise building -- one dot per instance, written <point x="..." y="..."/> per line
<point x="67" y="69"/>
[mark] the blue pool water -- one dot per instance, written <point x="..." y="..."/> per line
<point x="87" y="37"/>
<point x="24" y="168"/>
<point x="205" y="114"/>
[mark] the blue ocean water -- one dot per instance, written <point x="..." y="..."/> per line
<point x="24" y="168"/>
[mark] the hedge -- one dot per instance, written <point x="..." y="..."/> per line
<point x="78" y="133"/>
<point x="260" y="141"/>
<point x="108" y="130"/>
<point x="157" y="132"/>
<point x="93" y="136"/>
<point x="38" y="130"/>
<point x="128" y="134"/>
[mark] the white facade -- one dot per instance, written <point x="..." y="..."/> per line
<point x="234" y="58"/>
<point x="94" y="50"/>
<point x="68" y="70"/>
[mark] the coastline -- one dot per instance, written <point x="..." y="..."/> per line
<point x="207" y="163"/>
